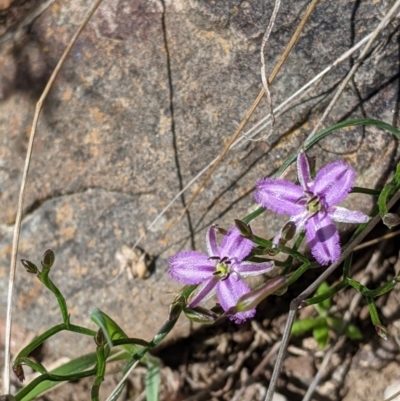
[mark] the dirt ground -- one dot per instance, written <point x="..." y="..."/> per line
<point x="230" y="362"/>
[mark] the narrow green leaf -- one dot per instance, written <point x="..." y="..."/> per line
<point x="351" y="330"/>
<point x="152" y="380"/>
<point x="303" y="326"/>
<point x="321" y="334"/>
<point x="110" y="328"/>
<point x="323" y="288"/>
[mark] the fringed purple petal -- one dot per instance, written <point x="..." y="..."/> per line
<point x="343" y="215"/>
<point x="229" y="291"/>
<point x="190" y="267"/>
<point x="303" y="171"/>
<point x="246" y="269"/>
<point x="211" y="239"/>
<point x="280" y="196"/>
<point x="323" y="238"/>
<point x="234" y="246"/>
<point x="203" y="292"/>
<point x="333" y="182"/>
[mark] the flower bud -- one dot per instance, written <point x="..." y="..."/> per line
<point x="29" y="266"/>
<point x="175" y="310"/>
<point x="200" y="315"/>
<point x="48" y="259"/>
<point x="272" y="251"/>
<point x="382" y="332"/>
<point x="19" y="372"/>
<point x="391" y="220"/>
<point x="243" y="228"/>
<point x="100" y="339"/>
<point x="288" y="232"/>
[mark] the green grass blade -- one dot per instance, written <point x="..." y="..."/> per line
<point x="152" y="380"/>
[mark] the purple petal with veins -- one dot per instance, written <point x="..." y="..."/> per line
<point x="203" y="292"/>
<point x="303" y="171"/>
<point x="343" y="215"/>
<point x="246" y="269"/>
<point x="280" y="196"/>
<point x="333" y="182"/>
<point x="234" y="246"/>
<point x="190" y="267"/>
<point x="229" y="292"/>
<point x="323" y="238"/>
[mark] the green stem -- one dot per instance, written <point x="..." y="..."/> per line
<point x="289" y="261"/>
<point x="162" y="333"/>
<point x="38" y="341"/>
<point x="45" y="279"/>
<point x="373" y="293"/>
<point x="346" y="266"/>
<point x="367" y="191"/>
<point x="299" y="272"/>
<point x="253" y="215"/>
<point x="373" y="311"/>
<point x="135" y="341"/>
<point x="55" y="378"/>
<point x="49" y="333"/>
<point x="81" y="330"/>
<point x="101" y="353"/>
<point x="327" y="294"/>
<point x="37" y="367"/>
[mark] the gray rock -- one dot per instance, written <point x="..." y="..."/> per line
<point x="146" y="99"/>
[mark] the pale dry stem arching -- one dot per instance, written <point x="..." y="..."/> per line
<point x="18" y="218"/>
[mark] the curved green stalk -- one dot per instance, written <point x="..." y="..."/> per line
<point x="34" y="383"/>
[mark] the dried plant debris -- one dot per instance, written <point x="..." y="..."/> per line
<point x="135" y="261"/>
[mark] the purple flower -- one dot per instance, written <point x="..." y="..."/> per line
<point x="220" y="271"/>
<point x="311" y="204"/>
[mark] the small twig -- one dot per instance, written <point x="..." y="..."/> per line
<point x="376" y="240"/>
<point x="18" y="218"/>
<point x="294" y="305"/>
<point x="263" y="66"/>
<point x="393" y="397"/>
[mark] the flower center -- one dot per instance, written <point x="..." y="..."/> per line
<point x="222" y="268"/>
<point x="314" y="204"/>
